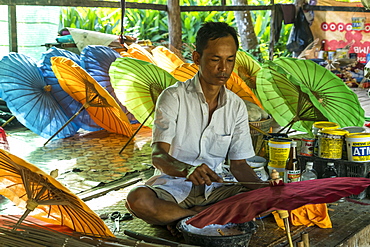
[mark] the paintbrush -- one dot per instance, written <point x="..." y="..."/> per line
<point x="233" y="182"/>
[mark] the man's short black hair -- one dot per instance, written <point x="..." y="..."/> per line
<point x="212" y="31"/>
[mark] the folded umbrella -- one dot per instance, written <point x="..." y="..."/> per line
<point x="246" y="206"/>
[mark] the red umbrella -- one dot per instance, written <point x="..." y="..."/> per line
<point x="245" y="206"/>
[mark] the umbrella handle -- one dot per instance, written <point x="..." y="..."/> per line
<point x="8" y="121"/>
<point x="133" y="135"/>
<point x="285" y="216"/>
<point x="73" y="117"/>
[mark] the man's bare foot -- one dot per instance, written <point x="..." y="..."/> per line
<point x="173" y="230"/>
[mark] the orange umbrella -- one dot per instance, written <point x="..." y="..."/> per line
<point x="101" y="106"/>
<point x="235" y="83"/>
<point x="247" y="68"/>
<point x="35" y="191"/>
<point x="138" y="52"/>
<point x="166" y="59"/>
<point x="160" y="56"/>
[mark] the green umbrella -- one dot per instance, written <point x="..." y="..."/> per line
<point x="309" y="92"/>
<point x="137" y="85"/>
<point x="339" y="103"/>
<point x="282" y="97"/>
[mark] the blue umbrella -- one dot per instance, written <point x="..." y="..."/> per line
<point x="30" y="99"/>
<point x="96" y="60"/>
<point x="70" y="105"/>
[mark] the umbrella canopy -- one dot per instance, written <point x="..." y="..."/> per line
<point x="247" y="67"/>
<point x="33" y="190"/>
<point x="329" y="93"/>
<point x="96" y="60"/>
<point x="138" y="85"/>
<point x="282" y="97"/>
<point x="245" y="206"/>
<point x="166" y="59"/>
<point x="30" y="99"/>
<point x="101" y="106"/>
<point x="69" y="104"/>
<point x="235" y="83"/>
<point x="138" y="52"/>
<point x="160" y="56"/>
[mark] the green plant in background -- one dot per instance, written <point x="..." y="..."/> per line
<point x="153" y="25"/>
<point x="104" y="20"/>
<point x="146" y="24"/>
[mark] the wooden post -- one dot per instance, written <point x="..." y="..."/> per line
<point x="272" y="31"/>
<point x="12" y="27"/>
<point x="174" y="25"/>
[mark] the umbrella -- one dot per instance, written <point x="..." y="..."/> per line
<point x="30" y="99"/>
<point x="337" y="102"/>
<point x="160" y="56"/>
<point x="166" y="59"/>
<point x="69" y="104"/>
<point x="247" y="68"/>
<point x="33" y="190"/>
<point x="138" y="84"/>
<point x="245" y="206"/>
<point x="138" y="52"/>
<point x="96" y="60"/>
<point x="282" y="97"/>
<point x="100" y="105"/>
<point x="235" y="83"/>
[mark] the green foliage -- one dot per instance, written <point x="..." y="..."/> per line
<point x="104" y="20"/>
<point x="153" y="25"/>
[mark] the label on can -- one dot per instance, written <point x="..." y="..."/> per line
<point x="358" y="147"/>
<point x="307" y="147"/>
<point x="330" y="147"/>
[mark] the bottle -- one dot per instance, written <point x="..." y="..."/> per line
<point x="308" y="173"/>
<point x="330" y="171"/>
<point x="322" y="52"/>
<point x="292" y="169"/>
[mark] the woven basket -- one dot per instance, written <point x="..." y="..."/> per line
<point x="257" y="136"/>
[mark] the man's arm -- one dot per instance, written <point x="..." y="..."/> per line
<point x="167" y="164"/>
<point x="244" y="173"/>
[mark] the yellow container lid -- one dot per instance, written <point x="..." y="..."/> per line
<point x="280" y="140"/>
<point x="358" y="135"/>
<point x="337" y="132"/>
<point x="325" y="125"/>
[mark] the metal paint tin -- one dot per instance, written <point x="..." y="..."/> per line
<point x="331" y="143"/>
<point x="358" y="147"/>
<point x="307" y="146"/>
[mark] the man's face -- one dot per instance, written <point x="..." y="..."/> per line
<point x="217" y="61"/>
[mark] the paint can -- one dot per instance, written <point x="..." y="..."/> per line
<point x="307" y="146"/>
<point x="358" y="147"/>
<point x="258" y="164"/>
<point x="279" y="149"/>
<point x="354" y="129"/>
<point x="316" y="128"/>
<point x="331" y="143"/>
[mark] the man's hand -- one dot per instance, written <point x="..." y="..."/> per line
<point x="202" y="174"/>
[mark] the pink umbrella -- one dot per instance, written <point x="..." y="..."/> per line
<point x="245" y="206"/>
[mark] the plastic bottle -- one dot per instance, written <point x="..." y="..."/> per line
<point x="292" y="169"/>
<point x="308" y="173"/>
<point x="330" y="171"/>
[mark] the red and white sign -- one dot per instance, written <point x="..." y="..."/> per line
<point x="339" y="29"/>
